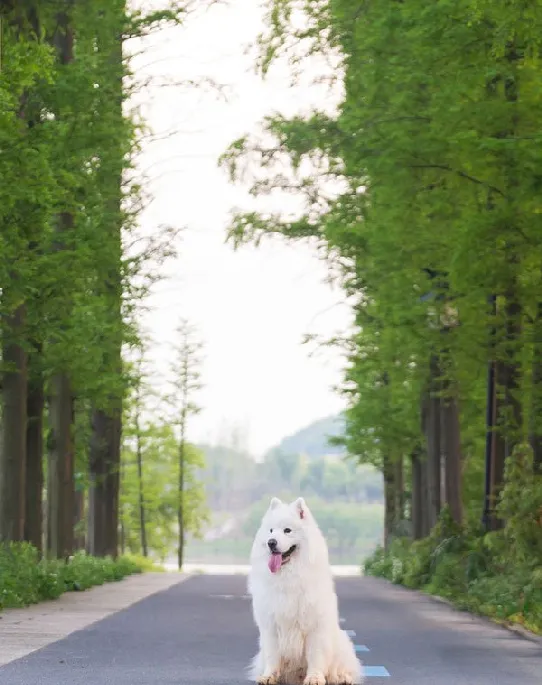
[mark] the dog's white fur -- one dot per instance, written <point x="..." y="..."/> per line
<point x="295" y="608"/>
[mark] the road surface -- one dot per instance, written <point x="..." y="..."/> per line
<point x="200" y="632"/>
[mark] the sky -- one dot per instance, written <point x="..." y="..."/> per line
<point x="252" y="307"/>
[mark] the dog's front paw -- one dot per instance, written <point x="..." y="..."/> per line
<point x="345" y="678"/>
<point x="266" y="679"/>
<point x="315" y="679"/>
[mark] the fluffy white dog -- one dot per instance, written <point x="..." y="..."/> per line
<point x="295" y="605"/>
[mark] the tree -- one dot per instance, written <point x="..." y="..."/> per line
<point x="60" y="485"/>
<point x="156" y="468"/>
<point x="185" y="374"/>
<point x="107" y="414"/>
<point x="136" y="439"/>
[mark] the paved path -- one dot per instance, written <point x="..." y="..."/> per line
<point x="200" y="632"/>
<point x="25" y="630"/>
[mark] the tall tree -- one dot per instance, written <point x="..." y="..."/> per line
<point x="107" y="418"/>
<point x="60" y="471"/>
<point x="186" y="382"/>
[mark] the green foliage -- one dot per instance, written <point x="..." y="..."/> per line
<point x="145" y="564"/>
<point x="476" y="573"/>
<point x="159" y="450"/>
<point x="194" y="501"/>
<point x="521" y="507"/>
<point x="423" y="187"/>
<point x="432" y="148"/>
<point x="25" y="578"/>
<point x="159" y="447"/>
<point x="70" y="200"/>
<point x="62" y="161"/>
<point x="66" y="144"/>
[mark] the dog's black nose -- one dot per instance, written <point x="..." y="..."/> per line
<point x="272" y="544"/>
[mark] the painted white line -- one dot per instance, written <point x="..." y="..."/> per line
<point x="350" y="633"/>
<point x="342" y="620"/>
<point x="361" y="648"/>
<point x="375" y="672"/>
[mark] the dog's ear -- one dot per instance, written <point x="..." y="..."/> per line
<point x="275" y="502"/>
<point x="300" y="506"/>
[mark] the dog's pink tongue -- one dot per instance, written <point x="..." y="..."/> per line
<point x="275" y="560"/>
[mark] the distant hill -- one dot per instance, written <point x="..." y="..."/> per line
<point x="313" y="440"/>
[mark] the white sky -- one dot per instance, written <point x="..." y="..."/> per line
<point x="254" y="306"/>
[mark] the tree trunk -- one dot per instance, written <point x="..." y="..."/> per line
<point x="13" y="451"/>
<point x="418" y="495"/>
<point x="60" y="483"/>
<point x="425" y="493"/>
<point x="113" y="485"/>
<point x="104" y="485"/>
<point x="507" y="405"/>
<point x="399" y="479"/>
<point x="433" y="445"/>
<point x="498" y="450"/>
<point x="96" y="490"/>
<point x="512" y="373"/>
<point x="535" y="432"/>
<point x="142" y="526"/>
<point x="390" y="500"/>
<point x="79" y="518"/>
<point x="451" y="444"/>
<point x="35" y="403"/>
<point x="180" y="509"/>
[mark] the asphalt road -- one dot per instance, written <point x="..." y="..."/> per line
<point x="201" y="632"/>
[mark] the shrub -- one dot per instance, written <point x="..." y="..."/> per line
<point x="476" y="572"/>
<point x="25" y="578"/>
<point x="145" y="564"/>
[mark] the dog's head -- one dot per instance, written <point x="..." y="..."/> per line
<point x="284" y="533"/>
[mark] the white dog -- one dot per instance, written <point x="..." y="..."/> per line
<point x="295" y="605"/>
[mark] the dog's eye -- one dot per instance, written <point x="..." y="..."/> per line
<point x="270" y="530"/>
<point x="287" y="530"/>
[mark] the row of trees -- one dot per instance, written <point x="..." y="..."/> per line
<point x="70" y="276"/>
<point x="436" y="228"/>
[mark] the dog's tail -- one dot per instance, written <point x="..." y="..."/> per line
<point x="255" y="668"/>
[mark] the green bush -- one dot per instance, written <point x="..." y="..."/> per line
<point x="145" y="564"/>
<point x="476" y="572"/>
<point x="25" y="578"/>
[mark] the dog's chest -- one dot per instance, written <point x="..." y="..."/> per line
<point x="294" y="609"/>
